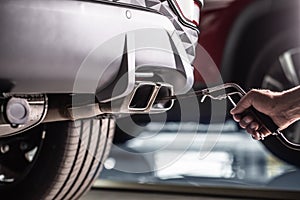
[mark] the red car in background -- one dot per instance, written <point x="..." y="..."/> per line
<point x="255" y="43"/>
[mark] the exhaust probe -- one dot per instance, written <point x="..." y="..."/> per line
<point x="233" y="92"/>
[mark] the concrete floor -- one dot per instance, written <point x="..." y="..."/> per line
<point x="116" y="195"/>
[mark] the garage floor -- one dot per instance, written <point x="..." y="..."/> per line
<point x="171" y="157"/>
<point x="114" y="195"/>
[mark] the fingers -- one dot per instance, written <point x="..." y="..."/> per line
<point x="259" y="100"/>
<point x="253" y="130"/>
<point x="246" y="121"/>
<point x="251" y="126"/>
<point x="244" y="103"/>
<point x="237" y="117"/>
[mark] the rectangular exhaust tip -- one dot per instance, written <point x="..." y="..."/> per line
<point x="164" y="91"/>
<point x="145" y="97"/>
<point x="142" y="96"/>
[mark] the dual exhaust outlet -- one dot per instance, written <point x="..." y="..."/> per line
<point x="23" y="112"/>
<point x="145" y="98"/>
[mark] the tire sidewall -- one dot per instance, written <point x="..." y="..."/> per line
<point x="266" y="58"/>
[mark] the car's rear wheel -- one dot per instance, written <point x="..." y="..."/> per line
<point x="68" y="156"/>
<point x="277" y="67"/>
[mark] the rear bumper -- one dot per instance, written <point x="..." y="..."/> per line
<point x="81" y="47"/>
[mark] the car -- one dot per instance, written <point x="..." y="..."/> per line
<point x="69" y="68"/>
<point x="256" y="44"/>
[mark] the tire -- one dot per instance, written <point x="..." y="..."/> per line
<point x="70" y="159"/>
<point x="267" y="72"/>
<point x="128" y="128"/>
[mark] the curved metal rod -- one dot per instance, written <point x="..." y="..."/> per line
<point x="287" y="143"/>
<point x="209" y="93"/>
<point x="278" y="134"/>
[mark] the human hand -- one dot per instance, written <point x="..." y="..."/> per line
<point x="264" y="101"/>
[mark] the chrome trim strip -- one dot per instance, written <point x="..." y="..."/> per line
<point x="181" y="18"/>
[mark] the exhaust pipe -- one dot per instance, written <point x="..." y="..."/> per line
<point x="21" y="113"/>
<point x="143" y="99"/>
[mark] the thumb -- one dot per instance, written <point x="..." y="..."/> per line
<point x="243" y="104"/>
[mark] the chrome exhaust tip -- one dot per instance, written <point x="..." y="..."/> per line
<point x="159" y="105"/>
<point x="143" y="99"/>
<point x="143" y="96"/>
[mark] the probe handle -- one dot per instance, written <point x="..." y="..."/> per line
<point x="265" y="121"/>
